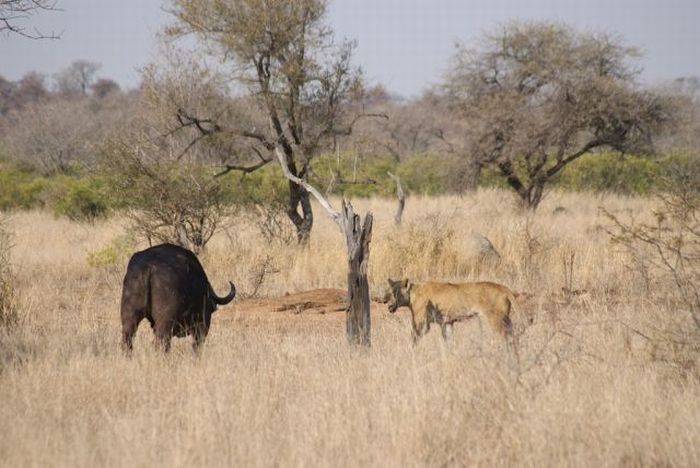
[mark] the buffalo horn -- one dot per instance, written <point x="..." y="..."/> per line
<point x="223" y="300"/>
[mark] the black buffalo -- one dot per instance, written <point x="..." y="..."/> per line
<point x="167" y="285"/>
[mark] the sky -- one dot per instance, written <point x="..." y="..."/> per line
<point x="403" y="44"/>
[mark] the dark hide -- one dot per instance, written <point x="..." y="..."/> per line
<point x="167" y="286"/>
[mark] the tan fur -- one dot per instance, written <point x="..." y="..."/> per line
<point x="446" y="303"/>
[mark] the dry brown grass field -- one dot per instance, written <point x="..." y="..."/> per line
<point x="608" y="374"/>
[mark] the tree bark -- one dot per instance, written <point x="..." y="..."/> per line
<point x="470" y="177"/>
<point x="299" y="197"/>
<point x="358" y="235"/>
<point x="536" y="193"/>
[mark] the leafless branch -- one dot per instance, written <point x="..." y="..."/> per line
<point x="347" y="131"/>
<point x="334" y="215"/>
<point x="14" y="11"/>
<point x="245" y="169"/>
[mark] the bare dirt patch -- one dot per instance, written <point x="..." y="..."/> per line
<point x="316" y="303"/>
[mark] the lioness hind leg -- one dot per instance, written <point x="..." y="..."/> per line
<point x="446" y="331"/>
<point x="506" y="325"/>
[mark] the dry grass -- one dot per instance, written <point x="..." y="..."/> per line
<point x="286" y="390"/>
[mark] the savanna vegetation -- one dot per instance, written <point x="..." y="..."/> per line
<point x="539" y="162"/>
<point x="608" y="370"/>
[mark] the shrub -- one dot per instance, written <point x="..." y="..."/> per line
<point x="264" y="196"/>
<point x="352" y="175"/>
<point x="166" y="201"/>
<point x="9" y="317"/>
<point x="20" y="187"/>
<point x="611" y="172"/>
<point x="599" y="172"/>
<point x="82" y="201"/>
<point x="114" y="254"/>
<point x="425" y="174"/>
<point x="670" y="244"/>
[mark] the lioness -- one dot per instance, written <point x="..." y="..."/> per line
<point x="446" y="303"/>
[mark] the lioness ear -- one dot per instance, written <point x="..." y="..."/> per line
<point x="404" y="283"/>
<point x="390" y="281"/>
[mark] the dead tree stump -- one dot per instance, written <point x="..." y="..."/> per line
<point x="401" y="196"/>
<point x="358" y="235"/>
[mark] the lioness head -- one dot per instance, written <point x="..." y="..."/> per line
<point x="398" y="294"/>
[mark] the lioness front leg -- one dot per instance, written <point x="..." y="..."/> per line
<point x="420" y="329"/>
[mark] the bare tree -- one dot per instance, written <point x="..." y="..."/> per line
<point x="295" y="75"/>
<point x="684" y="134"/>
<point x="30" y="89"/>
<point x="104" y="87"/>
<point x="537" y="96"/>
<point x="13" y="13"/>
<point x="413" y="127"/>
<point x="417" y="128"/>
<point x="77" y="78"/>
<point x="59" y="134"/>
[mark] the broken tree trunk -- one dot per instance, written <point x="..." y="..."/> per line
<point x="401" y="196"/>
<point x="357" y="236"/>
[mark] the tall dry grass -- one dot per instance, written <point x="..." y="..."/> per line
<point x="608" y="375"/>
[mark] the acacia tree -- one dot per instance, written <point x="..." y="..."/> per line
<point x="14" y="12"/>
<point x="294" y="74"/>
<point x="537" y="96"/>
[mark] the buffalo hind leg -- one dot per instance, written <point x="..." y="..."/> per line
<point x="128" y="331"/>
<point x="164" y="333"/>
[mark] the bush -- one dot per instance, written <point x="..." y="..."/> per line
<point x="263" y="195"/>
<point x="680" y="170"/>
<point x="9" y="317"/>
<point x="166" y="201"/>
<point x="82" y="201"/>
<point x="74" y="196"/>
<point x="113" y="255"/>
<point x="352" y="175"/>
<point x="426" y="174"/>
<point x="611" y="172"/>
<point x="670" y="244"/>
<point x="20" y="187"/>
<point x="598" y="172"/>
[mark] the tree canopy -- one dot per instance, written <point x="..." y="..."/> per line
<point x="283" y="56"/>
<point x="538" y="96"/>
